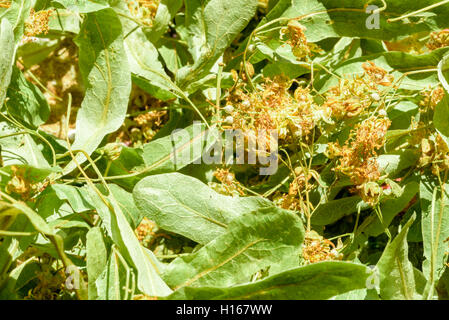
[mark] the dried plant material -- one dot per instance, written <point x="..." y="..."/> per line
<point x="438" y="39"/>
<point x="357" y="157"/>
<point x="37" y="23"/>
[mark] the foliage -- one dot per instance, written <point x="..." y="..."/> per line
<point x="103" y="197"/>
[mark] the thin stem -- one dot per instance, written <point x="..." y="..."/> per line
<point x="419" y="11"/>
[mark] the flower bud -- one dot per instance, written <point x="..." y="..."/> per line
<point x="112" y="151"/>
<point x="228" y="109"/>
<point x="229" y="120"/>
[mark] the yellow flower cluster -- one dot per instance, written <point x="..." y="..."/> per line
<point x="317" y="249"/>
<point x="357" y="158"/>
<point x="274" y="108"/>
<point x="438" y="39"/>
<point x="296" y="38"/>
<point x="144" y="10"/>
<point x="431" y="98"/>
<point x="37" y="23"/>
<point x="434" y="153"/>
<point x="352" y="97"/>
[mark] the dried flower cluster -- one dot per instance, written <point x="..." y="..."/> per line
<point x="431" y="98"/>
<point x="229" y="185"/>
<point x="274" y="108"/>
<point x="143" y="10"/>
<point x="357" y="158"/>
<point x="352" y="97"/>
<point x="434" y="153"/>
<point x="317" y="249"/>
<point x="37" y="23"/>
<point x="5" y="4"/>
<point x="144" y="231"/>
<point x="50" y="282"/>
<point x="302" y="183"/>
<point x="147" y="116"/>
<point x="296" y="38"/>
<point x="438" y="39"/>
<point x="21" y="184"/>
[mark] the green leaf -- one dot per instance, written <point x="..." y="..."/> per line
<point x="435" y="228"/>
<point x="96" y="258"/>
<point x="332" y="211"/>
<point x="104" y="66"/>
<point x="441" y="118"/>
<point x="18" y="147"/>
<point x="34" y="52"/>
<point x="317" y="281"/>
<point x="267" y="238"/>
<point x="26" y="102"/>
<point x="348" y="18"/>
<point x="143" y="57"/>
<point x="443" y="71"/>
<point x="166" y="11"/>
<point x="111" y="283"/>
<point x="148" y="279"/>
<point x="63" y="22"/>
<point x="389" y="209"/>
<point x="114" y="220"/>
<point x="6" y="57"/>
<point x="41" y="226"/>
<point x="184" y="205"/>
<point x="17" y="13"/>
<point x="211" y="27"/>
<point x="18" y="278"/>
<point x="84" y="6"/>
<point x="397" y="280"/>
<point x="180" y="148"/>
<point x="167" y="154"/>
<point x="74" y="196"/>
<point x="393" y="164"/>
<point x="126" y="203"/>
<point x="174" y="53"/>
<point x="397" y="63"/>
<point x="443" y="286"/>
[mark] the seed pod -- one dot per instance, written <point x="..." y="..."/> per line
<point x="71" y="135"/>
<point x="375" y="96"/>
<point x="229" y="120"/>
<point x="228" y="109"/>
<point x="246" y="103"/>
<point x="112" y="151"/>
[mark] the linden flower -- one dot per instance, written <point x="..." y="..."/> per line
<point x="229" y="184"/>
<point x="434" y="153"/>
<point x="317" y="249"/>
<point x="348" y="99"/>
<point x="431" y="98"/>
<point x="438" y="39"/>
<point x="352" y="97"/>
<point x="37" y="23"/>
<point x="357" y="158"/>
<point x="377" y="74"/>
<point x="296" y="38"/>
<point x="144" y="231"/>
<point x="274" y="108"/>
<point x="144" y="10"/>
